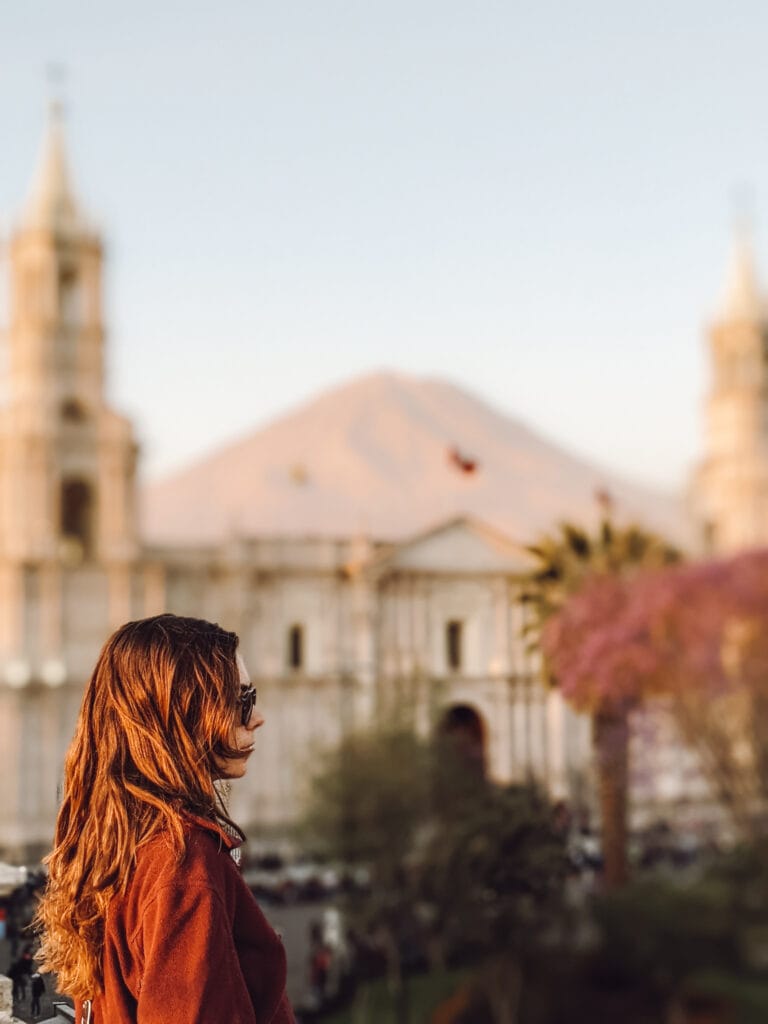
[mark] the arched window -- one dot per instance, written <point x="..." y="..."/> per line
<point x="69" y="297"/>
<point x="77" y="516"/>
<point x="296" y="647"/>
<point x="453" y="652"/>
<point x="72" y="410"/>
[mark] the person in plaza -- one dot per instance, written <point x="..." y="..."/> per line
<point x="18" y="974"/>
<point x="38" y="987"/>
<point x="13" y="934"/>
<point x="145" y="916"/>
<point x="319" y="964"/>
<point x="27" y="962"/>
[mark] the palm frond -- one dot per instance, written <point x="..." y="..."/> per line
<point x="577" y="540"/>
<point x="606" y="534"/>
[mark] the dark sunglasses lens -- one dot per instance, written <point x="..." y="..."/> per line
<point x="247" y="701"/>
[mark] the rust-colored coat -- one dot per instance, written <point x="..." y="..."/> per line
<point x="188" y="944"/>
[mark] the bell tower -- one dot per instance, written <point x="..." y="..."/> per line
<point x="67" y="462"/>
<point x="729" y="493"/>
<point x="70" y="563"/>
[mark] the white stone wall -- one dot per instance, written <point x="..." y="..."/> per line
<point x="371" y="635"/>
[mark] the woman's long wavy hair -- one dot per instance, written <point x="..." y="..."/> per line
<point x="158" y="712"/>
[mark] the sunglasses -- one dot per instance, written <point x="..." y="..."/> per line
<point x="247" y="701"/>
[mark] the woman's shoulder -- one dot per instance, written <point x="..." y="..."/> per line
<point x="204" y="859"/>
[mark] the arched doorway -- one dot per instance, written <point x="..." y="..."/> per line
<point x="464" y="731"/>
<point x="77" y="517"/>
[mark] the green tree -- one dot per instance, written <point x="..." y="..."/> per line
<point x="370" y="802"/>
<point x="458" y="866"/>
<point x="493" y="874"/>
<point x="565" y="563"/>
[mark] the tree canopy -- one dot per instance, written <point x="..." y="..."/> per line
<point x="695" y="634"/>
<point x="457" y="863"/>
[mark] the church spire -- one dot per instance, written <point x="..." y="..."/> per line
<point x="51" y="204"/>
<point x="742" y="298"/>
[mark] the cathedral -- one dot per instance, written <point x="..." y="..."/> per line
<point x="335" y="631"/>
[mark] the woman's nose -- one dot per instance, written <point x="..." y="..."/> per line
<point x="255" y="721"/>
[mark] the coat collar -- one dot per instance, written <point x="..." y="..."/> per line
<point x="217" y="828"/>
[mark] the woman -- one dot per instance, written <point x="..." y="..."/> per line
<point x="145" y="918"/>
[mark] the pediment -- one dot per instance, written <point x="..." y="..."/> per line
<point x="463" y="546"/>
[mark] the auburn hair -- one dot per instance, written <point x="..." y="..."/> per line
<point x="158" y="711"/>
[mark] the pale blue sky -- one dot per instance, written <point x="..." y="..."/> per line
<point x="531" y="199"/>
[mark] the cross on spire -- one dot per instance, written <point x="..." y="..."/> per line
<point x="56" y="80"/>
<point x="52" y="204"/>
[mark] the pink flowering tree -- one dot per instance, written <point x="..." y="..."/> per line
<point x="601" y="655"/>
<point x="579" y="581"/>
<point x="696" y="633"/>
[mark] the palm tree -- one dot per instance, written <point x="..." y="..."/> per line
<point x="564" y="562"/>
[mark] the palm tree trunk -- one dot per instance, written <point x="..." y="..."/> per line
<point x="501" y="981"/>
<point x="610" y="737"/>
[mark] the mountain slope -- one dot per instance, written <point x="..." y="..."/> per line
<point x="389" y="455"/>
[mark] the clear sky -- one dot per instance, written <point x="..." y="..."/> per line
<point x="532" y="199"/>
